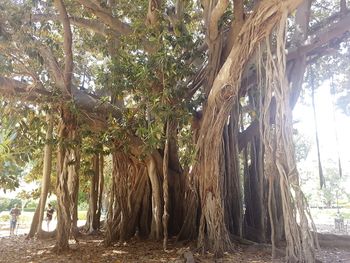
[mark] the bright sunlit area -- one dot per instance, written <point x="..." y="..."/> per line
<point x="331" y="201"/>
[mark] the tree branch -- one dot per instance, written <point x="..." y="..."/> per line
<point x="297" y="68"/>
<point x="236" y="25"/>
<point x="87" y="102"/>
<point x="90" y="24"/>
<point x="238" y="13"/>
<point x="53" y="67"/>
<point x="114" y="23"/>
<point x="15" y="88"/>
<point x="67" y="44"/>
<point x="321" y="37"/>
<point x="215" y="16"/>
<point x="107" y="18"/>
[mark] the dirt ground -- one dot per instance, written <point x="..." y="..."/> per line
<point x="91" y="249"/>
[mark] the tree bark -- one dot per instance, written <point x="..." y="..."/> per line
<point x="92" y="223"/>
<point x="232" y="195"/>
<point x="100" y="190"/>
<point x="36" y="226"/>
<point x="67" y="177"/>
<point x="35" y="222"/>
<point x="128" y="212"/>
<point x="46" y="169"/>
<point x="156" y="227"/>
<point x="280" y="164"/>
<point x="165" y="217"/>
<point x="73" y="180"/>
<point x="213" y="231"/>
<point x="254" y="178"/>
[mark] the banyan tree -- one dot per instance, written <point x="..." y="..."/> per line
<point x="193" y="102"/>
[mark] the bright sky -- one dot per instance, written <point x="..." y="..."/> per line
<point x="327" y="129"/>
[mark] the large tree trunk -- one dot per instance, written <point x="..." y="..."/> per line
<point x="156" y="227"/>
<point x="129" y="199"/>
<point x="224" y="93"/>
<point x="36" y="226"/>
<point x="67" y="177"/>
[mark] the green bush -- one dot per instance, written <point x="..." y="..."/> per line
<point x="31" y="205"/>
<point x="4" y="218"/>
<point x="4" y="204"/>
<point x="29" y="209"/>
<point x="83" y="206"/>
<point x="82" y="215"/>
<point x="345" y="214"/>
<point x="53" y="203"/>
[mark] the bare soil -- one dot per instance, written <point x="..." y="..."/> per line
<point x="91" y="249"/>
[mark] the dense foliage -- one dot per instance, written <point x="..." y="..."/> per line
<point x="192" y="103"/>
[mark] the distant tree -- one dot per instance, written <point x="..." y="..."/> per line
<point x="4" y="204"/>
<point x="334" y="189"/>
<point x="302" y="147"/>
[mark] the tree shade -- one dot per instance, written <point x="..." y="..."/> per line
<point x="194" y="103"/>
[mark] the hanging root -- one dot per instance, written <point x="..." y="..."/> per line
<point x="280" y="161"/>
